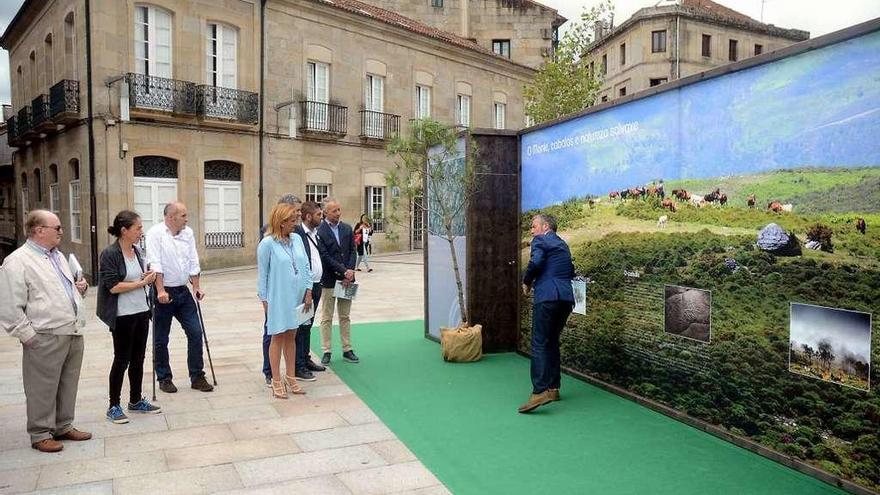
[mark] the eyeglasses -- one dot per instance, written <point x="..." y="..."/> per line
<point x="57" y="228"/>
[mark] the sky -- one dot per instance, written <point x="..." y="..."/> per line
<point x="810" y="15"/>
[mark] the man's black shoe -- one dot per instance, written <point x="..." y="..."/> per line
<point x="305" y="375"/>
<point x="167" y="386"/>
<point x="349" y="357"/>
<point x="325" y="360"/>
<point x="313" y="366"/>
<point x="201" y="384"/>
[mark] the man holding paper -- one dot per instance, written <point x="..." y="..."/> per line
<point x="308" y="230"/>
<point x="338" y="257"/>
<point x="42" y="303"/>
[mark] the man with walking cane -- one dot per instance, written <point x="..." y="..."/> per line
<point x="171" y="250"/>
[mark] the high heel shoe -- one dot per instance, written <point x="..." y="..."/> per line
<point x="278" y="389"/>
<point x="292" y="386"/>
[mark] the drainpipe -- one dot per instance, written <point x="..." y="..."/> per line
<point x="677" y="47"/>
<point x="262" y="98"/>
<point x="93" y="210"/>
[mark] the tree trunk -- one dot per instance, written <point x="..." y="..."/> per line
<point x="451" y="240"/>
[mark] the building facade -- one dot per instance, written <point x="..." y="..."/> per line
<point x="667" y="42"/>
<point x="522" y="30"/>
<point x="228" y="105"/>
<point x="8" y="215"/>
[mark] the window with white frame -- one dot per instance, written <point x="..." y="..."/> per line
<point x="152" y="41"/>
<point x="24" y="207"/>
<point x="75" y="213"/>
<point x="317" y="192"/>
<point x="463" y="112"/>
<point x="318" y="91"/>
<point x="375" y="206"/>
<point x="223" y="204"/>
<point x="374" y="102"/>
<point x="155" y="185"/>
<point x="500" y="115"/>
<point x="221" y="56"/>
<point x="423" y="102"/>
<point x="54" y="193"/>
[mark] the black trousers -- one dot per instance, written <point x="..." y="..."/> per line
<point x="129" y="348"/>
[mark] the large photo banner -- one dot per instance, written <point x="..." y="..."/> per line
<point x="730" y="229"/>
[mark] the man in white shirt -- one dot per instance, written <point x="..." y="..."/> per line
<point x="308" y="230"/>
<point x="171" y="251"/>
<point x="41" y="305"/>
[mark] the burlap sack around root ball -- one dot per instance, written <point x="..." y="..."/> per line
<point x="462" y="344"/>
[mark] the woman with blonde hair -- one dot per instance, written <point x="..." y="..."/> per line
<point x="284" y="282"/>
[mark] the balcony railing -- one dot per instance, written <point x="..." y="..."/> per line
<point x="378" y="125"/>
<point x="223" y="240"/>
<point x="12" y="136"/>
<point x="40" y="112"/>
<point x="323" y="118"/>
<point x="23" y="122"/>
<point x="226" y="103"/>
<point x="162" y="94"/>
<point x="64" y="100"/>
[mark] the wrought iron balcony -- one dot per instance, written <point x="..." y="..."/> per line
<point x="12" y="136"/>
<point x="23" y="123"/>
<point x="226" y="103"/>
<point x="323" y="118"/>
<point x="223" y="240"/>
<point x="378" y="125"/>
<point x="161" y="94"/>
<point x="40" y="114"/>
<point x="64" y="101"/>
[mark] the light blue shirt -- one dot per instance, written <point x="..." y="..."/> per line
<point x="335" y="229"/>
<point x="283" y="275"/>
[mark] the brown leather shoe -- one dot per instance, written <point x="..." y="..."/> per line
<point x="554" y="394"/>
<point x="201" y="384"/>
<point x="535" y="401"/>
<point x="48" y="445"/>
<point x="75" y="435"/>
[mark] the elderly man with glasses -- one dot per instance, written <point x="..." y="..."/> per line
<point x="42" y="307"/>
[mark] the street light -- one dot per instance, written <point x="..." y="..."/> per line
<point x="291" y="117"/>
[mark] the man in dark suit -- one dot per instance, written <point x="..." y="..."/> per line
<point x="308" y="231"/>
<point x="550" y="271"/>
<point x="338" y="257"/>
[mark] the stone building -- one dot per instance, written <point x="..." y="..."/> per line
<point x="522" y="30"/>
<point x="175" y="91"/>
<point x="670" y="41"/>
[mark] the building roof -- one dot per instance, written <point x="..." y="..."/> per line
<point x="709" y="11"/>
<point x="411" y="25"/>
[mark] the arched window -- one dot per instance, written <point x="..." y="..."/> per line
<point x="152" y="41"/>
<point x="222" y="56"/>
<point x="25" y="204"/>
<point x="73" y="194"/>
<point x="32" y="68"/>
<point x="223" y="205"/>
<point x="155" y="185"/>
<point x="38" y="185"/>
<point x="54" y="195"/>
<point x="69" y="47"/>
<point x="50" y="61"/>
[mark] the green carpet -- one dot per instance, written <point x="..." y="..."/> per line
<point x="461" y="422"/>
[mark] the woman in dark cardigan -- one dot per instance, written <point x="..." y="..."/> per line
<point x="123" y="306"/>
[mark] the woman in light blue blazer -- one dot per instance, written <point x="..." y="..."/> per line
<point x="284" y="281"/>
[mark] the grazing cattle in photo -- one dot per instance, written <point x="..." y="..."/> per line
<point x="697" y="201"/>
<point x="861" y="225"/>
<point x="624" y="194"/>
<point x="661" y="222"/>
<point x="722" y="199"/>
<point x="788" y="207"/>
<point x="614" y="194"/>
<point x="774" y="206"/>
<point x="681" y="194"/>
<point x="668" y="204"/>
<point x="637" y="192"/>
<point x="751" y="200"/>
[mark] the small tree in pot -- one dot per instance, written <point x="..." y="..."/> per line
<point x="430" y="164"/>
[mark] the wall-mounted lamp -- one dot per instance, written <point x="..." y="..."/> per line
<point x="291" y="117"/>
<point x="124" y="115"/>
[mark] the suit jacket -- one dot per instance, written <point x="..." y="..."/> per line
<point x="336" y="257"/>
<point x="550" y="269"/>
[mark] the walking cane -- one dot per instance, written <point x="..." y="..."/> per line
<point x="150" y="293"/>
<point x="205" y="336"/>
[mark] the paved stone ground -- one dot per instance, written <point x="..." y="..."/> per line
<point x="236" y="439"/>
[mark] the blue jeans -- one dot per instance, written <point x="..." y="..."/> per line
<point x="548" y="320"/>
<point x="303" y="338"/>
<point x="182" y="307"/>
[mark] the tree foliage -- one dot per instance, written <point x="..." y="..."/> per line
<point x="565" y="84"/>
<point x="429" y="156"/>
